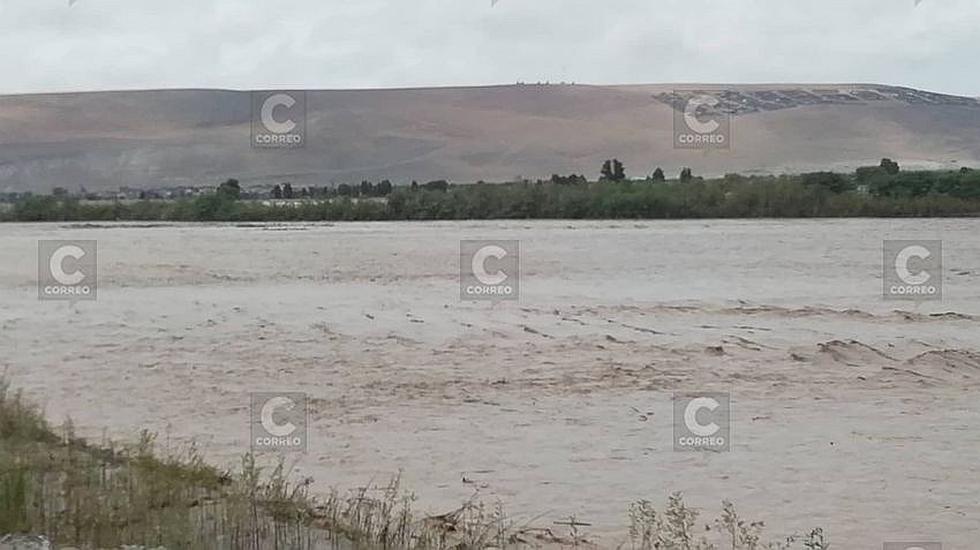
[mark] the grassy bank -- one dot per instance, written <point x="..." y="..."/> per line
<point x="873" y="192"/>
<point x="103" y="497"/>
<point x="86" y="496"/>
<point x="56" y="485"/>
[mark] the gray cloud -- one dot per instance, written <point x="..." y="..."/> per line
<point x="121" y="44"/>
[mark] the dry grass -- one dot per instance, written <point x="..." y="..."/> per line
<point x="55" y="484"/>
<point x="677" y="529"/>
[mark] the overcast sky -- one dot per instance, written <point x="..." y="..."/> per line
<point x="48" y="45"/>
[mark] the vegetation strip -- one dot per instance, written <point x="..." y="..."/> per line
<point x="876" y="191"/>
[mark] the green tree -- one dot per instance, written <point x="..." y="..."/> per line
<point x="437" y="185"/>
<point x="658" y="175"/>
<point x="837" y="183"/>
<point x="619" y="173"/>
<point x="889" y="166"/>
<point x="612" y="170"/>
<point x="230" y="189"/>
<point x="686" y="175"/>
<point x="864" y="174"/>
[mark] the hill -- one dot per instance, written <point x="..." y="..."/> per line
<point x="103" y="140"/>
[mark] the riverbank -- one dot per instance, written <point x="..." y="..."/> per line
<point x="62" y="489"/>
<point x="872" y="193"/>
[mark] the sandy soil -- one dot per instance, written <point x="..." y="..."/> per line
<point x="849" y="412"/>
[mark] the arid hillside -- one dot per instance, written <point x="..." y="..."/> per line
<point x="144" y="139"/>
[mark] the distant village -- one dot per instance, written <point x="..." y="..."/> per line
<point x="282" y="191"/>
<point x="124" y="193"/>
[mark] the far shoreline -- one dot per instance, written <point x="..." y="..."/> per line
<point x="883" y="191"/>
<point x="136" y="224"/>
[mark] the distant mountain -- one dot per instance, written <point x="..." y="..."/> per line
<point x="143" y="139"/>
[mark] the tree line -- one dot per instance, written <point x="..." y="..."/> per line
<point x="875" y="191"/>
